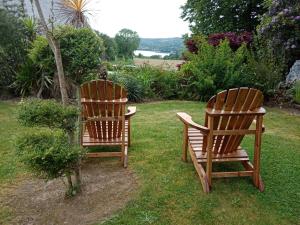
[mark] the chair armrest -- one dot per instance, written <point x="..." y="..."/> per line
<point x="131" y="112"/>
<point x="187" y="120"/>
<point x="213" y="112"/>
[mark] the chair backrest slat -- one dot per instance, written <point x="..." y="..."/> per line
<point x="104" y="117"/>
<point x="229" y="103"/>
<point x="235" y="100"/>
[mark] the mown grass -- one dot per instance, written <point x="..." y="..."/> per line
<point x="170" y="192"/>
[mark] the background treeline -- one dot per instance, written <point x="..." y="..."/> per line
<point x="255" y="46"/>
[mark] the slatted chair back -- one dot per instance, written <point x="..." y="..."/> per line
<point x="103" y="109"/>
<point x="234" y="100"/>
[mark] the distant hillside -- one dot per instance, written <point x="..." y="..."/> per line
<point x="172" y="45"/>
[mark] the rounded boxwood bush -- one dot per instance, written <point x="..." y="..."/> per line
<point x="48" y="113"/>
<point x="47" y="152"/>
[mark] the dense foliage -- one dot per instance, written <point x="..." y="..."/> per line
<point x="49" y="148"/>
<point x="48" y="113"/>
<point x="147" y="82"/>
<point x="12" y="47"/>
<point x="127" y="42"/>
<point x="47" y="152"/>
<point x="280" y="31"/>
<point x="269" y="54"/>
<point x="207" y="17"/>
<point x="81" y="51"/>
<point x="235" y="40"/>
<point x="213" y="68"/>
<point x="110" y="47"/>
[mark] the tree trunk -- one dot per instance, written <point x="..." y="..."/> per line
<point x="77" y="170"/>
<point x="60" y="72"/>
<point x="70" y="183"/>
<point x="55" y="47"/>
<point x="77" y="167"/>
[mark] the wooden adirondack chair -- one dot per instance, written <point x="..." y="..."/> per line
<point x="104" y="121"/>
<point x="228" y="118"/>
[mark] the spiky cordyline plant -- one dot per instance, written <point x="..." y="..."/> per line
<point x="74" y="12"/>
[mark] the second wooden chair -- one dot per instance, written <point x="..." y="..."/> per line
<point x="228" y="117"/>
<point x="104" y="120"/>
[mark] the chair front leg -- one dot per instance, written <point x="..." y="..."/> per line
<point x="185" y="143"/>
<point x="257" y="149"/>
<point x="209" y="149"/>
<point x="129" y="133"/>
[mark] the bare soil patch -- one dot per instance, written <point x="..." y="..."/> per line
<point x="107" y="187"/>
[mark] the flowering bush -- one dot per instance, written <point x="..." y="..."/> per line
<point x="280" y="30"/>
<point x="191" y="45"/>
<point x="235" y="40"/>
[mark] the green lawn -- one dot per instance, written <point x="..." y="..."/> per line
<point x="170" y="191"/>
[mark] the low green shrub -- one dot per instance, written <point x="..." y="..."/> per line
<point x="215" y="68"/>
<point x="212" y="69"/>
<point x="261" y="74"/>
<point x="30" y="80"/>
<point x="135" y="90"/>
<point x="145" y="74"/>
<point x="165" y="84"/>
<point x="49" y="148"/>
<point x="48" y="113"/>
<point x="47" y="152"/>
<point x="148" y="82"/>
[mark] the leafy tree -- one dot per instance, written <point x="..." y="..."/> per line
<point x="127" y="42"/>
<point x="32" y="80"/>
<point x="110" y="46"/>
<point x="279" y="33"/>
<point x="55" y="47"/>
<point x="81" y="51"/>
<point x="12" y="47"/>
<point x="214" y="16"/>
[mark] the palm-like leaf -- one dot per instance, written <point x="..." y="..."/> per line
<point x="74" y="12"/>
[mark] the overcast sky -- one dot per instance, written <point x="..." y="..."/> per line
<point x="149" y="18"/>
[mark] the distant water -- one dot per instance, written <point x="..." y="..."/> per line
<point x="150" y="53"/>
